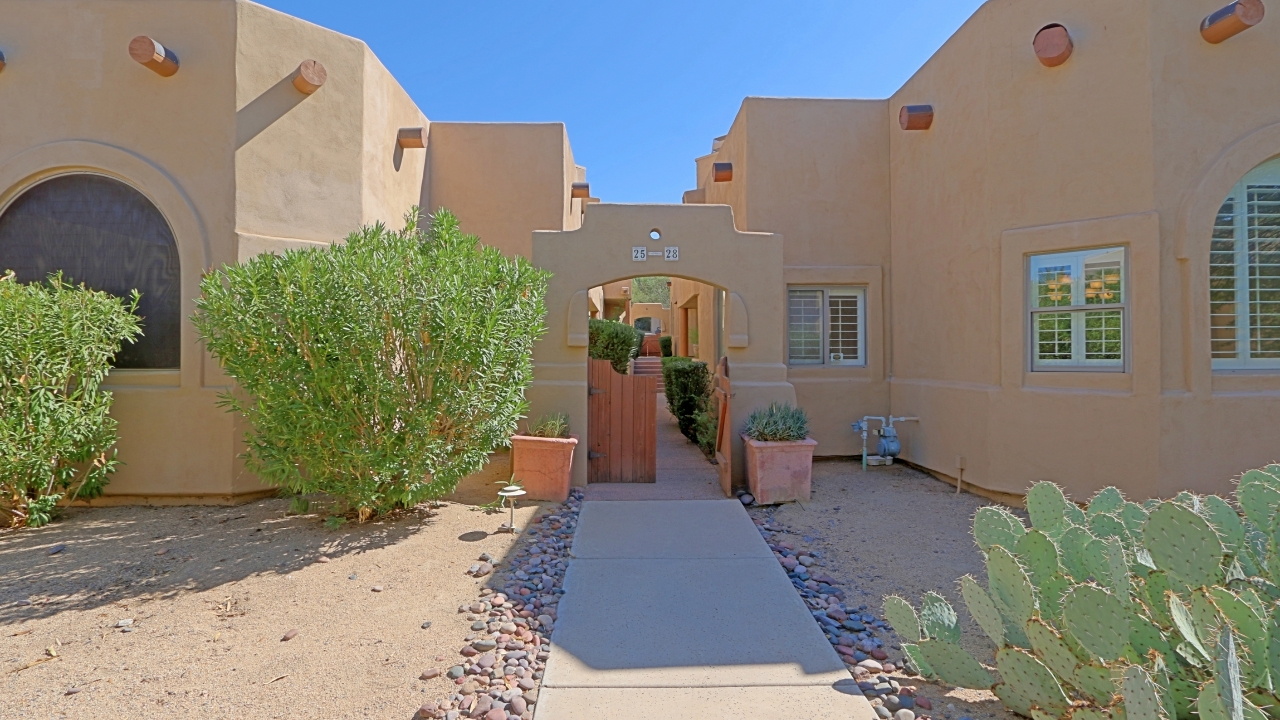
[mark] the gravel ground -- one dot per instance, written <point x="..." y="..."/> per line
<point x="894" y="531"/>
<point x="211" y="591"/>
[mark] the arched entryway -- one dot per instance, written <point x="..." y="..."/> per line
<point x="696" y="242"/>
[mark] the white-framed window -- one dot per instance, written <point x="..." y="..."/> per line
<point x="1079" y="310"/>
<point x="825" y="325"/>
<point x="1244" y="274"/>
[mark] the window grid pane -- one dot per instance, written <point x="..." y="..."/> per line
<point x="1222" y="283"/>
<point x="1264" y="271"/>
<point x="1053" y="337"/>
<point x="1053" y="286"/>
<point x="842" y="336"/>
<point x="1104" y="335"/>
<point x="804" y="326"/>
<point x="1102" y="283"/>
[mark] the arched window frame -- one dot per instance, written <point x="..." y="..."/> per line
<point x="16" y="197"/>
<point x="1244" y="274"/>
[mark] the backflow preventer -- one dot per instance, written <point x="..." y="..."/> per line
<point x="888" y="447"/>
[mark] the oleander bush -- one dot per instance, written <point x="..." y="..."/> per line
<point x="380" y="371"/>
<point x="616" y="342"/>
<point x="780" y="422"/>
<point x="1160" y="611"/>
<point x="57" y="340"/>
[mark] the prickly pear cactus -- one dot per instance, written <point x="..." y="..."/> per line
<point x="1165" y="610"/>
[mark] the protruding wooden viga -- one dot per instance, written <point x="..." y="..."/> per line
<point x="1232" y="20"/>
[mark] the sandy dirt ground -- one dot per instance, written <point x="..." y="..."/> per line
<point x="896" y="531"/>
<point x="212" y="590"/>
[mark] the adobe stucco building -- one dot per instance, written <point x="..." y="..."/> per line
<point x="1041" y="266"/>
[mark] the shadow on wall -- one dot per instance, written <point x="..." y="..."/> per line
<point x="264" y="110"/>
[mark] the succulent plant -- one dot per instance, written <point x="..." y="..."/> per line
<point x="1164" y="610"/>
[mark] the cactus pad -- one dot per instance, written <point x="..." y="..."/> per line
<point x="1250" y="628"/>
<point x="1087" y="712"/>
<point x="902" y="617"/>
<point x="1145" y="636"/>
<point x="982" y="608"/>
<point x="1046" y="505"/>
<point x="1098" y="682"/>
<point x="1071" y="552"/>
<point x="1038" y="555"/>
<point x="938" y="619"/>
<point x="916" y="659"/>
<point x="1259" y="497"/>
<point x="953" y="665"/>
<point x="1206" y="617"/>
<point x="1141" y="697"/>
<point x="1038" y="714"/>
<point x="1032" y="680"/>
<point x="1106" y="525"/>
<point x="1156" y="585"/>
<point x="1010" y="587"/>
<point x="1098" y="620"/>
<point x="1184" y="545"/>
<point x="1095" y="560"/>
<point x="1107" y="500"/>
<point x="1209" y="705"/>
<point x="1133" y="517"/>
<point x="1051" y="592"/>
<point x="1117" y="569"/>
<point x="1075" y="515"/>
<point x="1226" y="665"/>
<point x="1224" y="520"/>
<point x="1052" y="651"/>
<point x="1185" y="625"/>
<point x="996" y="526"/>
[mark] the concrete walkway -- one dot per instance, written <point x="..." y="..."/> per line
<point x="676" y="609"/>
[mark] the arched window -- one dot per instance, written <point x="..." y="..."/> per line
<point x="109" y="236"/>
<point x="1244" y="274"/>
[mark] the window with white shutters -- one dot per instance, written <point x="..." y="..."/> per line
<point x="1079" y="302"/>
<point x="1244" y="274"/>
<point x="825" y="326"/>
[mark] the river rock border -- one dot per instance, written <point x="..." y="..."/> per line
<point x="511" y="622"/>
<point x="861" y="639"/>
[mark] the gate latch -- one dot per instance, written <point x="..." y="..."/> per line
<point x="592" y="455"/>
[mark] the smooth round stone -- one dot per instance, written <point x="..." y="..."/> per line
<point x="904" y="714"/>
<point x="893" y="702"/>
<point x="485" y="645"/>
<point x="906" y="701"/>
<point x="883" y="712"/>
<point x="890" y="667"/>
<point x="456" y="672"/>
<point x="879" y="654"/>
<point x="924" y="703"/>
<point x="430" y="673"/>
<point x="518" y="705"/>
<point x="871" y="665"/>
<point x="478" y="625"/>
<point x="469" y="688"/>
<point x="496" y="714"/>
<point x="746" y="498"/>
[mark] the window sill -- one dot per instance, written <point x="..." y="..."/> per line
<point x="803" y="372"/>
<point x="142" y="378"/>
<point x="1109" y="380"/>
<point x="1244" y="381"/>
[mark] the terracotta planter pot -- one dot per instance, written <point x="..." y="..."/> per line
<point x="779" y="472"/>
<point x="543" y="465"/>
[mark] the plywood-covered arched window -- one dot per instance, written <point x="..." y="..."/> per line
<point x="106" y="234"/>
<point x="1244" y="274"/>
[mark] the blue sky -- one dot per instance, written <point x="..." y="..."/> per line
<point x="642" y="86"/>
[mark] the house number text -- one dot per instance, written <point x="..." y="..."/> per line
<point x="641" y="254"/>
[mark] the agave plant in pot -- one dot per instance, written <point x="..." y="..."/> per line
<point x="779" y="454"/>
<point x="542" y="459"/>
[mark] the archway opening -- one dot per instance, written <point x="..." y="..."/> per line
<point x="101" y="232"/>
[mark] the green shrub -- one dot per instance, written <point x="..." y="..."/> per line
<point x="555" y="425"/>
<point x="56" y="344"/>
<point x="780" y="422"/>
<point x="687" y="384"/>
<point x="1161" y="610"/>
<point x="380" y="371"/>
<point x="665" y="342"/>
<point x="616" y="342"/>
<point x="705" y="427"/>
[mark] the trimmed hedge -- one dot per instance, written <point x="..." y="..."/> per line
<point x="665" y="342"/>
<point x="613" y="341"/>
<point x="688" y="389"/>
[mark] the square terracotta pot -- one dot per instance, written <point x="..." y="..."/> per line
<point x="779" y="472"/>
<point x="543" y="465"/>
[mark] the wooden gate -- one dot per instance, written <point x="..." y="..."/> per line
<point x="724" y="427"/>
<point x="622" y="426"/>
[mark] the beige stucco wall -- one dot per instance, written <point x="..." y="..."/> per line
<point x="502" y="180"/>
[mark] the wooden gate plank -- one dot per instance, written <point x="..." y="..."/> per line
<point x="724" y="429"/>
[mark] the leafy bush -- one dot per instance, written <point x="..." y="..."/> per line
<point x="56" y="344"/>
<point x="380" y="371"/>
<point x="614" y="341"/>
<point x="651" y="289"/>
<point x="687" y="384"/>
<point x="1161" y="610"/>
<point x="555" y="425"/>
<point x="705" y="427"/>
<point x="780" y="422"/>
<point x="665" y="342"/>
